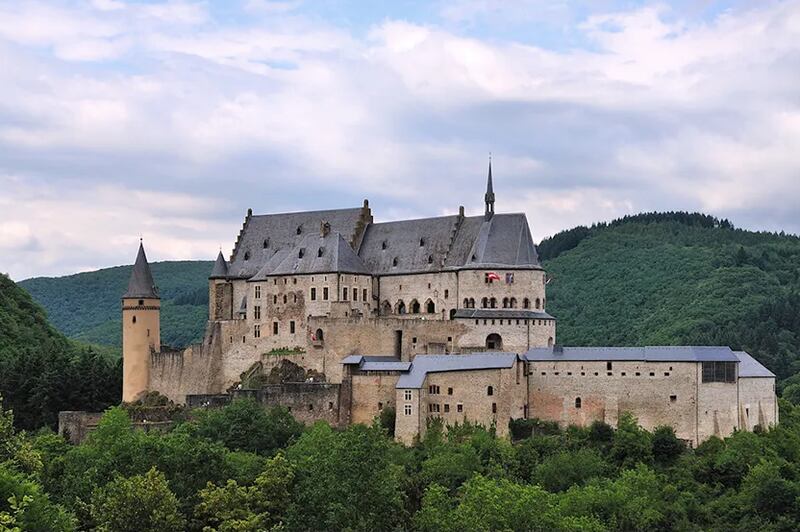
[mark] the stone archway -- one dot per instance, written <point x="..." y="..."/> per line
<point x="494" y="342"/>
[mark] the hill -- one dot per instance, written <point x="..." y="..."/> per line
<point x="677" y="278"/>
<point x="41" y="371"/>
<point x="86" y="306"/>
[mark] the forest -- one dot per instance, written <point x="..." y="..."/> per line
<point x="245" y="468"/>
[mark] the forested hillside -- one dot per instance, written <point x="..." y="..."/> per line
<point x="87" y="306"/>
<point x="41" y="371"/>
<point x="677" y="278"/>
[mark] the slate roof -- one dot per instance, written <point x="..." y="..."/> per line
<point x="644" y="354"/>
<point x="504" y="240"/>
<point x="502" y="313"/>
<point x="279" y="232"/>
<point x="422" y="365"/>
<point x="377" y="363"/>
<point x="314" y="254"/>
<point x="141" y="284"/>
<point x="750" y="367"/>
<point x="220" y="270"/>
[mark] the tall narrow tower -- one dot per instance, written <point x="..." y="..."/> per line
<point x="488" y="198"/>
<point x="141" y="329"/>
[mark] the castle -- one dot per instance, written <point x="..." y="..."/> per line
<point x="437" y="317"/>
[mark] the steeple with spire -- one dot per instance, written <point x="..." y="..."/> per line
<point x="220" y="270"/>
<point x="141" y="284"/>
<point x="489" y="196"/>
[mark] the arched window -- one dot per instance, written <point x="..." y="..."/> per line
<point x="301" y="253"/>
<point x="466" y="303"/>
<point x="266" y="243"/>
<point x="299" y="229"/>
<point x="394" y="261"/>
<point x="387" y="307"/>
<point x="505" y="302"/>
<point x="485" y="302"/>
<point x="512" y="303"/>
<point x="577" y="402"/>
<point x="400" y="307"/>
<point x="430" y="308"/>
<point x="471" y="303"/>
<point x="493" y="303"/>
<point x="319" y="336"/>
<point x="246" y="255"/>
<point x="383" y="244"/>
<point x="538" y="303"/>
<point x="489" y="390"/>
<point x="452" y="313"/>
<point x="320" y="251"/>
<point x="526" y="303"/>
<point x="415" y="307"/>
<point x="550" y="342"/>
<point x="494" y="342"/>
<point x="134" y="319"/>
<point x="421" y="242"/>
<point x="430" y="259"/>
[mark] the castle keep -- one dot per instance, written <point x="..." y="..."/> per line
<point x="436" y="317"/>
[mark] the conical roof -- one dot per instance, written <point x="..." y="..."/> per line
<point x="141" y="284"/>
<point x="220" y="270"/>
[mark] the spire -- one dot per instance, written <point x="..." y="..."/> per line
<point x="489" y="197"/>
<point x="141" y="284"/>
<point x="220" y="270"/>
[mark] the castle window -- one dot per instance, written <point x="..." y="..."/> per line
<point x="257" y="331"/>
<point x="313" y="294"/>
<point x="666" y="373"/>
<point x="244" y="339"/>
<point x="325" y="293"/>
<point x="471" y="303"/>
<point x="364" y="295"/>
<point x="141" y="302"/>
<point x="246" y="255"/>
<point x="274" y="327"/>
<point x="407" y="410"/>
<point x="257" y="312"/>
<point x="493" y="303"/>
<point x="275" y="300"/>
<point x="301" y="253"/>
<point x="274" y="281"/>
<point x="459" y="407"/>
<point x="489" y="391"/>
<point x="526" y="303"/>
<point x="285" y="300"/>
<point x="623" y="373"/>
<point x="258" y="292"/>
<point x="401" y="307"/>
<point x="505" y="302"/>
<point x="466" y="303"/>
<point x="319" y="336"/>
<point x="446" y="293"/>
<point x="407" y="395"/>
<point x="415" y="307"/>
<point x="449" y="391"/>
<point x="537" y="302"/>
<point x="673" y="398"/>
<point x="344" y="293"/>
<point x="719" y="371"/>
<point x="299" y="229"/>
<point x="380" y="405"/>
<point x="431" y="308"/>
<point x="433" y="389"/>
<point x="320" y="251"/>
<point x="430" y="259"/>
<point x="577" y="402"/>
<point x="638" y="374"/>
<point x="394" y="261"/>
<point x="513" y="302"/>
<point x="330" y="405"/>
<point x="148" y="333"/>
<point x="452" y="313"/>
<point x="310" y="407"/>
<point x="421" y="242"/>
<point x="608" y="366"/>
<point x="652" y="374"/>
<point x="494" y="408"/>
<point x="485" y="302"/>
<point x="266" y="243"/>
<point x="446" y="408"/>
<point x="383" y="244"/>
<point x="134" y="319"/>
<point x="294" y="280"/>
<point x="355" y="294"/>
<point x="291" y="327"/>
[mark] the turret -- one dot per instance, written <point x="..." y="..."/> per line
<point x="488" y="198"/>
<point x="141" y="329"/>
<point x="220" y="293"/>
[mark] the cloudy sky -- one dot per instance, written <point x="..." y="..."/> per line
<point x="169" y="119"/>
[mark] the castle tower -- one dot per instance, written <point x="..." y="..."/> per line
<point x="489" y="196"/>
<point x="220" y="291"/>
<point x="141" y="329"/>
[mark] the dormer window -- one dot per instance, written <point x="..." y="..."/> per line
<point x="430" y="259"/>
<point x="246" y="255"/>
<point x="320" y="251"/>
<point x="301" y="253"/>
<point x="266" y="243"/>
<point x="383" y="244"/>
<point x="394" y="261"/>
<point x="299" y="229"/>
<point x="421" y="242"/>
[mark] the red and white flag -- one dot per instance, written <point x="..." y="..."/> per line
<point x="493" y="276"/>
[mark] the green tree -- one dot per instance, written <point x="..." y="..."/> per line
<point x="140" y="503"/>
<point x="666" y="445"/>
<point x="262" y="506"/>
<point x="631" y="443"/>
<point x="561" y="471"/>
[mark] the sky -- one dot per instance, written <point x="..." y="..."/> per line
<point x="167" y="120"/>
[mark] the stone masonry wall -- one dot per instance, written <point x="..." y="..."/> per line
<point x="758" y="402"/>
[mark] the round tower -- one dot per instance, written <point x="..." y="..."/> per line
<point x="141" y="329"/>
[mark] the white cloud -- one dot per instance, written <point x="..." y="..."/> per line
<point x="656" y="110"/>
